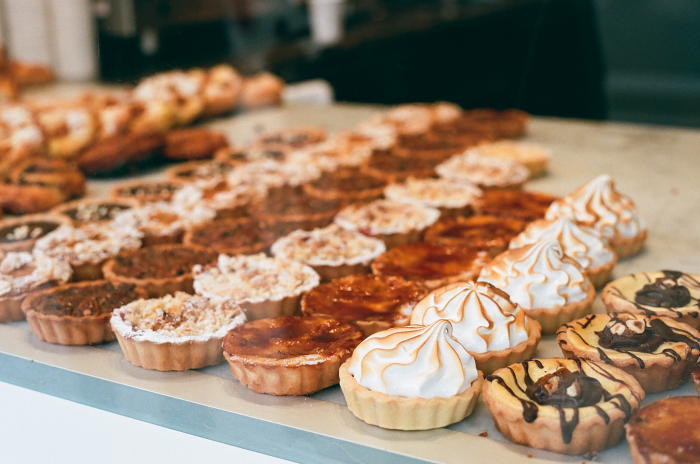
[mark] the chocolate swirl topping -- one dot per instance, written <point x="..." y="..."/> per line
<point x="664" y="292"/>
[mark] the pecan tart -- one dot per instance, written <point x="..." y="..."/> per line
<point x="201" y="172"/>
<point x="411" y="378"/>
<point x="263" y="286"/>
<point x="233" y="236"/>
<point x="283" y="141"/>
<point x="290" y="355"/>
<point x="293" y="205"/>
<point x="659" y="352"/>
<point x="450" y="197"/>
<point x="21" y="234"/>
<point x="518" y="204"/>
<point x="78" y="313"/>
<point x="175" y="332"/>
<point x="427" y="148"/>
<point x="567" y="406"/>
<point x="346" y="184"/>
<point x="391" y="168"/>
<point x="548" y="285"/>
<point x="487" y="233"/>
<point x="395" y="222"/>
<point x="672" y="294"/>
<point x="160" y="269"/>
<point x="147" y="191"/>
<point x="21" y="274"/>
<point x="485" y="171"/>
<point x="431" y="264"/>
<point x="494" y="330"/>
<point x="665" y="432"/>
<point x="509" y="123"/>
<point x="93" y="210"/>
<point x="371" y="302"/>
<point x="332" y="251"/>
<point x="534" y="157"/>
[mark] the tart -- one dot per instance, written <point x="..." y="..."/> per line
<point x="201" y="172"/>
<point x="671" y="294"/>
<point x="222" y="90"/>
<point x="598" y="204"/>
<point x="180" y="89"/>
<point x="659" y="352"/>
<point x="175" y="332"/>
<point x="21" y="274"/>
<point x="371" y="302"/>
<point x="234" y="156"/>
<point x="267" y="174"/>
<point x="20" y="234"/>
<point x="159" y="270"/>
<point x="290" y="355"/>
<point x="394" y="222"/>
<point x="665" y="432"/>
<point x="93" y="210"/>
<point x="283" y="141"/>
<point x="464" y="135"/>
<point x="78" y="313"/>
<point x="193" y="143"/>
<point x="391" y="168"/>
<point x="49" y="173"/>
<point x="87" y="248"/>
<point x="534" y="157"/>
<point x="346" y="184"/>
<point x="450" y="197"/>
<point x="494" y="330"/>
<point x="411" y="378"/>
<point x="332" y="251"/>
<point x="231" y="236"/>
<point x="510" y="123"/>
<point x="264" y="287"/>
<point x="485" y="171"/>
<point x="548" y="285"/>
<point x="290" y="204"/>
<point x="431" y="264"/>
<point x="487" y="233"/>
<point x="567" y="406"/>
<point x="29" y="199"/>
<point x="427" y="148"/>
<point x="518" y="204"/>
<point x="262" y="89"/>
<point x="147" y="191"/>
<point x="582" y="244"/>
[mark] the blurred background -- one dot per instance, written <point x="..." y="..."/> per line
<point x="627" y="60"/>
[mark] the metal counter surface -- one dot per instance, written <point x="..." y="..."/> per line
<point x="658" y="167"/>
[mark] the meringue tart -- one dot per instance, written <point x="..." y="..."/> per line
<point x="411" y="378"/>
<point x="672" y="294"/>
<point x="567" y="406"/>
<point x="487" y="233"/>
<point x="518" y="204"/>
<point x="290" y="355"/>
<point x="659" y="352"/>
<point x="371" y="302"/>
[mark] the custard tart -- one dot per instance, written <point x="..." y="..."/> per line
<point x="347" y="185"/>
<point x="518" y="204"/>
<point x="487" y="233"/>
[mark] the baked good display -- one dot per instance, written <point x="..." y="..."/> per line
<point x="290" y="355"/>
<point x="371" y="302"/>
<point x="672" y="294"/>
<point x="391" y="168"/>
<point x="534" y="157"/>
<point x="332" y="251"/>
<point x="346" y="184"/>
<point x="77" y="313"/>
<point x="450" y="197"/>
<point x="411" y="378"/>
<point x="518" y="204"/>
<point x="581" y="243"/>
<point x="550" y="286"/>
<point x="598" y="204"/>
<point x="289" y="204"/>
<point x="659" y="352"/>
<point x="160" y="269"/>
<point x="487" y="233"/>
<point x="494" y="330"/>
<point x="21" y="233"/>
<point x="175" y="332"/>
<point x="431" y="264"/>
<point x="87" y="248"/>
<point x="567" y="406"/>
<point x="395" y="222"/>
<point x="93" y="210"/>
<point x="485" y="171"/>
<point x="21" y="274"/>
<point x="193" y="143"/>
<point x="147" y="191"/>
<point x="665" y="432"/>
<point x="231" y="236"/>
<point x="262" y="286"/>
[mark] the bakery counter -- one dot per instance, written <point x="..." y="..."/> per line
<point x="655" y="166"/>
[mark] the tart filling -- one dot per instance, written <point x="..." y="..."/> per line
<point x="398" y="168"/>
<point x="90" y="211"/>
<point x="232" y="236"/>
<point x="82" y="299"/>
<point x="147" y="192"/>
<point x="158" y="262"/>
<point x="20" y="234"/>
<point x="293" y="204"/>
<point x="488" y="233"/>
<point x="484" y="171"/>
<point x="526" y="206"/>
<point x="534" y="157"/>
<point x="346" y="184"/>
<point x="23" y="272"/>
<point x="268" y="174"/>
<point x="385" y="217"/>
<point x="161" y="218"/>
<point x="435" y="193"/>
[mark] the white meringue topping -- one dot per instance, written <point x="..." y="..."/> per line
<point x="483" y="317"/>
<point x="414" y="361"/>
<point x="538" y="276"/>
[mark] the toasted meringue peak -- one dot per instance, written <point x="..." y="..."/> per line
<point x="414" y="361"/>
<point x="597" y="204"/>
<point x="483" y="317"/>
<point x="538" y="276"/>
<point x="581" y="243"/>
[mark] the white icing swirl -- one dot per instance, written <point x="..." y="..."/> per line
<point x="483" y="317"/>
<point x="538" y="276"/>
<point x="414" y="361"/>
<point x="581" y="243"/>
<point x="599" y="205"/>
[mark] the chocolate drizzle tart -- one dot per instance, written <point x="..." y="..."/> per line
<point x="658" y="352"/>
<point x="568" y="406"/>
